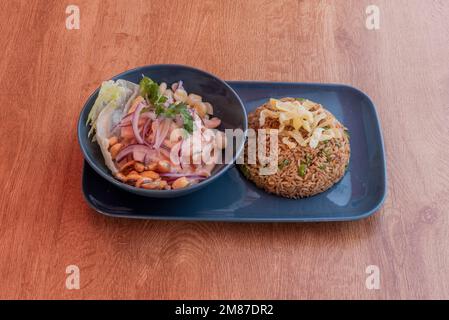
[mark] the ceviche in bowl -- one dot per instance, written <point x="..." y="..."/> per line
<point x="158" y="138"/>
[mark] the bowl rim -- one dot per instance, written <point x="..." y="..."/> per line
<point x="145" y="192"/>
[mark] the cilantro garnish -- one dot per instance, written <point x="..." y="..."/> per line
<point x="150" y="91"/>
<point x="174" y="109"/>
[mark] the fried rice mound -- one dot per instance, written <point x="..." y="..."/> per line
<point x="302" y="171"/>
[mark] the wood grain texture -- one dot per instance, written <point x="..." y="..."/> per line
<point x="47" y="72"/>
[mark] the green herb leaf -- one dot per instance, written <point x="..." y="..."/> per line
<point x="283" y="164"/>
<point x="302" y="170"/>
<point x="300" y="99"/>
<point x="327" y="154"/>
<point x="150" y="91"/>
<point x="160" y="109"/>
<point x="174" y="109"/>
<point x="309" y="159"/>
<point x="187" y="120"/>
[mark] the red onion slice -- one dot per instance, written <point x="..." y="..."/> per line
<point x="156" y="130"/>
<point x="162" y="132"/>
<point x="174" y="154"/>
<point x="165" y="152"/>
<point x="121" y="123"/>
<point x="126" y="120"/>
<point x="149" y="114"/>
<point x="146" y="128"/>
<point x="135" y="122"/>
<point x="139" y="152"/>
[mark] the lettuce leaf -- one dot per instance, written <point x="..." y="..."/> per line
<point x="109" y="92"/>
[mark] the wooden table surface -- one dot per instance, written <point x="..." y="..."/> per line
<point x="47" y="72"/>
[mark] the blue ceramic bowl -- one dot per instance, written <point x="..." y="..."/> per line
<point x="227" y="106"/>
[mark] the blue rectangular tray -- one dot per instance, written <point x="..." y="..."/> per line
<point x="232" y="198"/>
